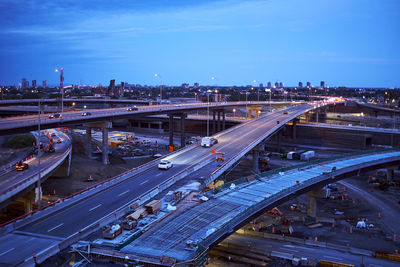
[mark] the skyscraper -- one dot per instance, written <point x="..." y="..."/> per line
<point x="269" y="85"/>
<point x="308" y="85"/>
<point x="34" y="83"/>
<point x="276" y="85"/>
<point x="44" y="83"/>
<point x="281" y="85"/>
<point x="300" y="85"/>
<point x="24" y="83"/>
<point x="322" y="84"/>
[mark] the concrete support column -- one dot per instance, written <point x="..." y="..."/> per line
<point x="223" y="120"/>
<point x="219" y="121"/>
<point x="28" y="200"/>
<point x="69" y="163"/>
<point x="89" y="142"/>
<point x="106" y="161"/>
<point x="183" y="130"/>
<point x="390" y="174"/>
<point x="279" y="137"/>
<point x="256" y="155"/>
<point x="311" y="205"/>
<point x="213" y="131"/>
<point x="317" y="116"/>
<point x="294" y="129"/>
<point x="171" y="130"/>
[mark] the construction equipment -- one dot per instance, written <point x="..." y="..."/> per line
<point x="285" y="228"/>
<point x="219" y="156"/>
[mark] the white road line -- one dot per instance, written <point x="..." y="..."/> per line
<point x="158" y="174"/>
<point x="332" y="257"/>
<point x="142" y="183"/>
<point x="5" y="252"/>
<point x="123" y="193"/>
<point x="55" y="227"/>
<point x="95" y="207"/>
<point x="290" y="250"/>
<point x="375" y="265"/>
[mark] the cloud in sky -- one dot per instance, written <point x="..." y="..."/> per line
<point x="339" y="41"/>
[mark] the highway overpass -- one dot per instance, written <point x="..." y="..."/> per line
<point x="15" y="184"/>
<point x="186" y="235"/>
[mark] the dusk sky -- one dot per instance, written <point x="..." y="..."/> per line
<point x="343" y="42"/>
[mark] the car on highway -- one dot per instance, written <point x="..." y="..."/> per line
<point x="20" y="166"/>
<point x="55" y="116"/>
<point x="208" y="141"/>
<point x="164" y="164"/>
<point x="53" y="134"/>
<point x="285" y="112"/>
<point x="134" y="108"/>
<point x="86" y="113"/>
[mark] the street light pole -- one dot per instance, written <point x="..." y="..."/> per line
<point x="208" y="112"/>
<point x="270" y="92"/>
<point x="159" y="76"/>
<point x="38" y="144"/>
<point x="61" y="70"/>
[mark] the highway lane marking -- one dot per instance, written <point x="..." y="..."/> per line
<point x="158" y="174"/>
<point x="372" y="265"/>
<point x="123" y="193"/>
<point x="333" y="258"/>
<point x="95" y="207"/>
<point x="291" y="250"/>
<point x="142" y="183"/>
<point x="55" y="227"/>
<point x="5" y="252"/>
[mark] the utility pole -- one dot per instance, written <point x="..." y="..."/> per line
<point x="61" y="70"/>
<point x="38" y="144"/>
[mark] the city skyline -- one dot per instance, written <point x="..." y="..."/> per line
<point x="340" y="42"/>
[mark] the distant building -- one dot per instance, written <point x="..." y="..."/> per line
<point x="269" y="85"/>
<point x="281" y="85"/>
<point x="276" y="85"/>
<point x="261" y="85"/>
<point x="322" y="84"/>
<point x="308" y="85"/>
<point x="34" y="83"/>
<point x="196" y="85"/>
<point x="185" y="85"/>
<point x="24" y="83"/>
<point x="111" y="88"/>
<point x="44" y="84"/>
<point x="300" y="85"/>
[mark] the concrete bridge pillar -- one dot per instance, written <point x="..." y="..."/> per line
<point x="105" y="158"/>
<point x="256" y="156"/>
<point x="28" y="199"/>
<point x="213" y="130"/>
<point x="312" y="201"/>
<point x="69" y="158"/>
<point x="390" y="174"/>
<point x="171" y="130"/>
<point x="294" y="129"/>
<point x="89" y="142"/>
<point x="223" y="120"/>
<point x="183" y="115"/>
<point x="278" y="143"/>
<point x="219" y="121"/>
<point x="317" y="116"/>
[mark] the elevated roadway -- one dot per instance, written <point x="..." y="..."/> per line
<point x="206" y="224"/>
<point x="14" y="183"/>
<point x="58" y="226"/>
<point x="71" y="118"/>
<point x="18" y="102"/>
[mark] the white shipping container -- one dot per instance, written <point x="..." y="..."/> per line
<point x="290" y="155"/>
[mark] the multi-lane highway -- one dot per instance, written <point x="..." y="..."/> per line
<point x="68" y="221"/>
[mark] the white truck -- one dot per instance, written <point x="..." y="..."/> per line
<point x="208" y="141"/>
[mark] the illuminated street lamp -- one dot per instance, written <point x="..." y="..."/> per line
<point x="208" y="112"/>
<point x="270" y="92"/>
<point x="61" y="70"/>
<point x="258" y="90"/>
<point x="159" y="76"/>
<point x="234" y="112"/>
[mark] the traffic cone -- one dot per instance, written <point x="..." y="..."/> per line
<point x="333" y="224"/>
<point x="344" y="189"/>
<point x="379" y="215"/>
<point x="351" y="229"/>
<point x="315" y="239"/>
<point x="54" y="192"/>
<point x="396" y="252"/>
<point x="394" y="237"/>
<point x="273" y="229"/>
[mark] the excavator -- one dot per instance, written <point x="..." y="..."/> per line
<point x="285" y="227"/>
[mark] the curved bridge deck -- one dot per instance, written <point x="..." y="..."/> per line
<point x="206" y="223"/>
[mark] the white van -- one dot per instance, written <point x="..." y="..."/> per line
<point x="208" y="141"/>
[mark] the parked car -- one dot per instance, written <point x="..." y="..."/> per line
<point x="86" y="113"/>
<point x="134" y="108"/>
<point x="208" y="141"/>
<point x="55" y="116"/>
<point x="164" y="164"/>
<point x="20" y="166"/>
